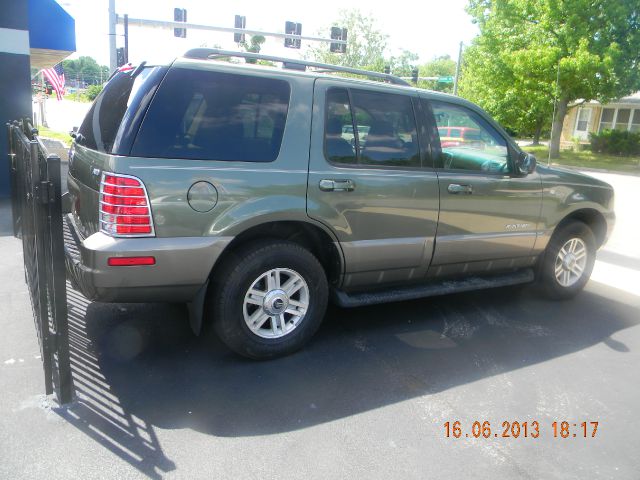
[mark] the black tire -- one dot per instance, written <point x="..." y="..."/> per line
<point x="238" y="273"/>
<point x="547" y="279"/>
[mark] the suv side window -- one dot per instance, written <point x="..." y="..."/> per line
<point x="206" y="115"/>
<point x="339" y="136"/>
<point x="468" y="142"/>
<point x="384" y="132"/>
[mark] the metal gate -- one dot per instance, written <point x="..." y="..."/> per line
<point x="36" y="205"/>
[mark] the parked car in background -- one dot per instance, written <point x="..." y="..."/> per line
<point x="456" y="136"/>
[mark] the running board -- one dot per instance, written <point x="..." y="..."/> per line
<point x="441" y="287"/>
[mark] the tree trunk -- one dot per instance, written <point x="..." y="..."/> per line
<point x="537" y="133"/>
<point x="556" y="128"/>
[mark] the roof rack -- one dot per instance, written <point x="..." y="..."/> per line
<point x="294" y="64"/>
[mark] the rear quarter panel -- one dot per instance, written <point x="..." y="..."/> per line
<point x="249" y="193"/>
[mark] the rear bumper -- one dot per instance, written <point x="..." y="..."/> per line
<point x="182" y="266"/>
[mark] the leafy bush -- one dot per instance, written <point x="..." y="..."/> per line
<point x="76" y="97"/>
<point x="617" y="142"/>
<point x="93" y="91"/>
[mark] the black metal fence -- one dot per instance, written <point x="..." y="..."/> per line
<point x="36" y="202"/>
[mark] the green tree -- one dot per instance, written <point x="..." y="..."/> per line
<point x="366" y="43"/>
<point x="593" y="44"/>
<point x="93" y="91"/>
<point x="403" y="64"/>
<point x="85" y="70"/>
<point x="254" y="45"/>
<point x="441" y="66"/>
<point x="512" y="87"/>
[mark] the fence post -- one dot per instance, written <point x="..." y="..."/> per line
<point x="13" y="180"/>
<point x="59" y="281"/>
<point x="42" y="310"/>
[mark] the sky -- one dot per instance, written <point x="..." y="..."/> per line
<point x="429" y="28"/>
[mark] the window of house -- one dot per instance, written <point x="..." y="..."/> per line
<point x="635" y="122"/>
<point x="583" y="119"/>
<point x="606" y="120"/>
<point x="622" y="120"/>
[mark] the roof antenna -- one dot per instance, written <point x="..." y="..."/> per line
<point x="555" y="101"/>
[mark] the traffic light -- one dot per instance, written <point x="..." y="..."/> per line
<point x="120" y="57"/>
<point x="387" y="69"/>
<point x="414" y="75"/>
<point x="241" y="22"/>
<point x="292" y="28"/>
<point x="180" y="15"/>
<point x="338" y="33"/>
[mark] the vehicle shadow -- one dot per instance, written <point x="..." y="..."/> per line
<point x="138" y="366"/>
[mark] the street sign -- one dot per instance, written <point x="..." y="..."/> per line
<point x="445" y="79"/>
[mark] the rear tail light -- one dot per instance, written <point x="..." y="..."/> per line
<point x="125" y="210"/>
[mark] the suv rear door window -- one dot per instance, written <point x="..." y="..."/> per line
<point x="339" y="137"/>
<point x="206" y="115"/>
<point x="386" y="133"/>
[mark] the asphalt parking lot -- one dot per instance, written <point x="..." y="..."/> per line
<point x="368" y="398"/>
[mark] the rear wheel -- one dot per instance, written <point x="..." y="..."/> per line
<point x="568" y="261"/>
<point x="268" y="299"/>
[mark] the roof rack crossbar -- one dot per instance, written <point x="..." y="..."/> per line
<point x="212" y="53"/>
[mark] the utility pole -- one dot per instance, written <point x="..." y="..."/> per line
<point x="126" y="38"/>
<point x="113" y="61"/>
<point x="43" y="107"/>
<point x="455" y="81"/>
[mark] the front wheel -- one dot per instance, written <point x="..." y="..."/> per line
<point x="568" y="261"/>
<point x="268" y="299"/>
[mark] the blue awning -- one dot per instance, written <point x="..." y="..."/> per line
<point x="52" y="33"/>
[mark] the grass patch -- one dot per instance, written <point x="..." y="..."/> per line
<point x="48" y="133"/>
<point x="587" y="159"/>
<point x="78" y="97"/>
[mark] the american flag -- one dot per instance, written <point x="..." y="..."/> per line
<point x="55" y="76"/>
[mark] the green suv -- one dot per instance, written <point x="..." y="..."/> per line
<point x="232" y="188"/>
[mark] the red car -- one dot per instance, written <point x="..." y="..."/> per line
<point x="459" y="136"/>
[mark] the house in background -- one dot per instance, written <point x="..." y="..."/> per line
<point x="593" y="117"/>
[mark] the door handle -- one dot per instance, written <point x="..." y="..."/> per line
<point x="456" y="188"/>
<point x="328" y="185"/>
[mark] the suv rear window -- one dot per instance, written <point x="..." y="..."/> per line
<point x="107" y="126"/>
<point x="206" y="115"/>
